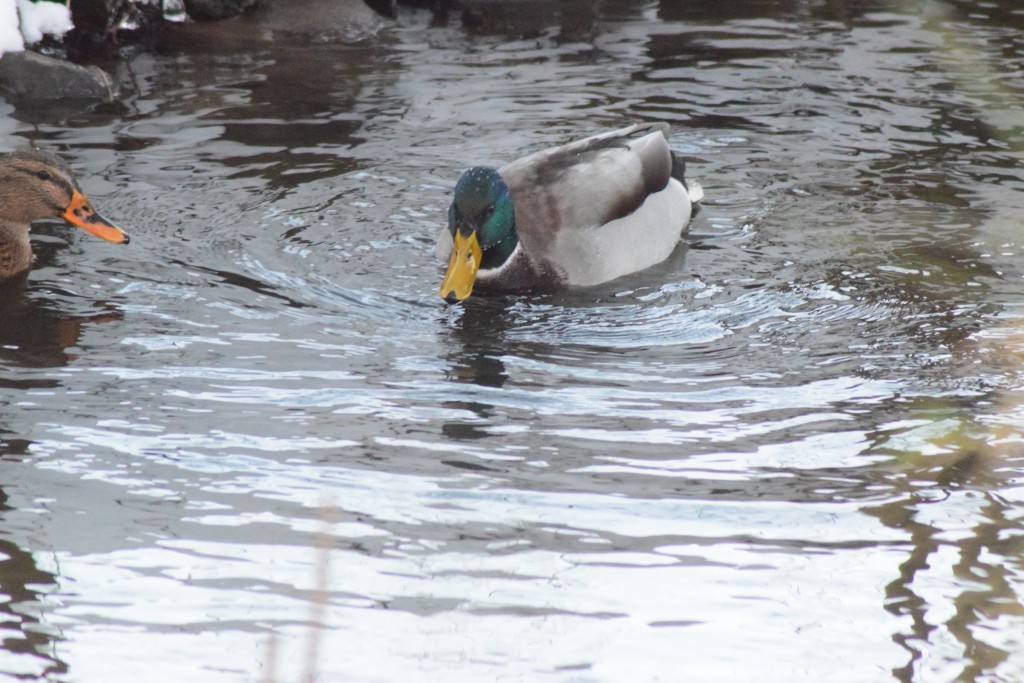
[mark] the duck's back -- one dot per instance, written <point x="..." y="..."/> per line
<point x="601" y="207"/>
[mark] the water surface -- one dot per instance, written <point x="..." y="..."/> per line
<point x="789" y="453"/>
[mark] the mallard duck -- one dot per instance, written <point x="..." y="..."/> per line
<point x="577" y="215"/>
<point x="36" y="185"/>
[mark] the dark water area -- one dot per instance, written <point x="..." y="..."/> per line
<point x="255" y="444"/>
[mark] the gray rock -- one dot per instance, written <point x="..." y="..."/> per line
<point x="217" y="9"/>
<point x="32" y="76"/>
<point x="322" y="20"/>
<point x="295" y="21"/>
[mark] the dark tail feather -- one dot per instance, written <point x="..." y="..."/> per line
<point x="679" y="169"/>
<point x="679" y="173"/>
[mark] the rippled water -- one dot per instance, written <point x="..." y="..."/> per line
<point x="255" y="443"/>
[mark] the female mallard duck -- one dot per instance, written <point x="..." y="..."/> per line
<point x="581" y="214"/>
<point x="36" y="185"/>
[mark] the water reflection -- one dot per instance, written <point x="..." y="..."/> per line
<point x="475" y="334"/>
<point x="36" y="333"/>
<point x="789" y="448"/>
<point x="25" y="587"/>
<point x="25" y="634"/>
<point x="478" y="328"/>
<point x="986" y="595"/>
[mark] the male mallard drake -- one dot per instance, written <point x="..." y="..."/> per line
<point x="581" y="214"/>
<point x="36" y="185"/>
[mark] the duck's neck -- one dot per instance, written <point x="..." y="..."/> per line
<point x="498" y="254"/>
<point x="15" y="249"/>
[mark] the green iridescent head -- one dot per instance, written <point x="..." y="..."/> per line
<point x="482" y="222"/>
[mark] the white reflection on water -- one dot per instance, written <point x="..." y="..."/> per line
<point x="459" y="571"/>
<point x="765" y="459"/>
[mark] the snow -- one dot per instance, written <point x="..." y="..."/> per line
<point x="39" y="18"/>
<point x="10" y="36"/>
<point x="36" y="19"/>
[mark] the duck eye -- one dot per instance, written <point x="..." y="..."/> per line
<point x="44" y="175"/>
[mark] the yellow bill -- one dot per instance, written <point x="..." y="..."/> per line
<point x="80" y="212"/>
<point x="461" y="274"/>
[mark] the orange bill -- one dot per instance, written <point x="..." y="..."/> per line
<point x="461" y="274"/>
<point x="81" y="213"/>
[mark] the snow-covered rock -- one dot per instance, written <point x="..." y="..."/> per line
<point x="43" y="18"/>
<point x="23" y="22"/>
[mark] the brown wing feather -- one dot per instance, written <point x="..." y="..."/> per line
<point x="587" y="183"/>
